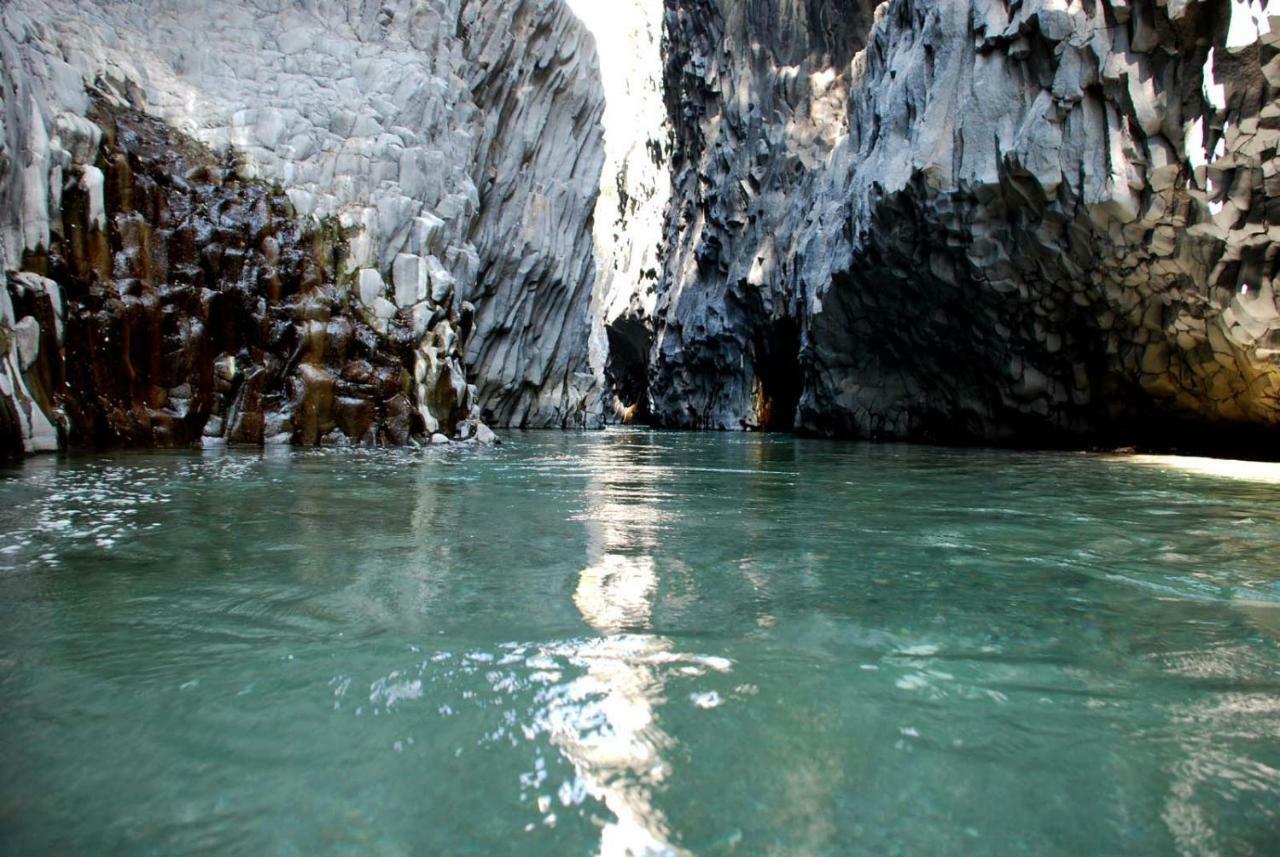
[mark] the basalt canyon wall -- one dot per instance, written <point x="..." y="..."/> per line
<point x="347" y="222"/>
<point x="1018" y="222"/>
<point x="273" y="221"/>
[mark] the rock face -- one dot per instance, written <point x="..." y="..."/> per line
<point x="368" y="218"/>
<point x="340" y="221"/>
<point x="1036" y="222"/>
<point x="199" y="309"/>
<point x="533" y="73"/>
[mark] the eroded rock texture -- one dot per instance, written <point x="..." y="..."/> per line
<point x="198" y="308"/>
<point x="1036" y="222"/>
<point x="446" y="154"/>
<point x="537" y="91"/>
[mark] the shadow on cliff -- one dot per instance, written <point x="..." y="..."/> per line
<point x="963" y="320"/>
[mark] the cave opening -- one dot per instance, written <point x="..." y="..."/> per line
<point x="779" y="381"/>
<point x="627" y="371"/>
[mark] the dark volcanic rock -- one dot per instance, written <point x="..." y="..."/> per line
<point x="198" y="306"/>
<point x="445" y="155"/>
<point x="1024" y="223"/>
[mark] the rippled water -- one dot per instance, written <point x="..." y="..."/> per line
<point x="629" y="640"/>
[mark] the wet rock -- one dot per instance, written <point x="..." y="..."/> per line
<point x="398" y="420"/>
<point x="485" y="436"/>
<point x="221" y="316"/>
<point x="449" y="150"/>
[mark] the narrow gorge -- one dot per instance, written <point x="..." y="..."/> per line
<point x="1029" y="223"/>
<point x="640" y="428"/>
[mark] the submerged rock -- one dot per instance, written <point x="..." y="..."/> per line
<point x="485" y="436"/>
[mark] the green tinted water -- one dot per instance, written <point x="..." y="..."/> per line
<point x="584" y="644"/>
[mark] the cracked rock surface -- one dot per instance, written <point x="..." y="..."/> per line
<point x="1024" y="222"/>
<point x="1010" y="221"/>
<point x="447" y="153"/>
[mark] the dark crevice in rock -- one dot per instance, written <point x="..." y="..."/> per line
<point x="1019" y="224"/>
<point x="627" y="372"/>
<point x="779" y="381"/>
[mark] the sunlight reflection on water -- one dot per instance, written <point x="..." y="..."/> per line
<point x="620" y="761"/>
<point x="1249" y="471"/>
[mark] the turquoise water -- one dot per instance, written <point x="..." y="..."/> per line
<point x="622" y="641"/>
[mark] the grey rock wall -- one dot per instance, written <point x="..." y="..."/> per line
<point x="1021" y="222"/>
<point x="534" y="77"/>
<point x="1035" y="222"/>
<point x="453" y="144"/>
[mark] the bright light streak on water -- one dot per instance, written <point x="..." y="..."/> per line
<point x="1249" y="471"/>
<point x="628" y="642"/>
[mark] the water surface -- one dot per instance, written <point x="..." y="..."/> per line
<point x="579" y="644"/>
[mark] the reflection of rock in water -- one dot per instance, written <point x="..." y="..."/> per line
<point x="617" y="592"/>
<point x="605" y="723"/>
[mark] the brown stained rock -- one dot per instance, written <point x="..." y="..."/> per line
<point x="443" y="398"/>
<point x="314" y="405"/>
<point x="338" y="339"/>
<point x="356" y="417"/>
<point x="1155" y="360"/>
<point x="207" y="285"/>
<point x="398" y="420"/>
<point x="245" y="421"/>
